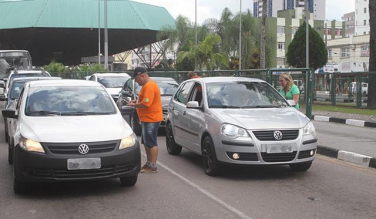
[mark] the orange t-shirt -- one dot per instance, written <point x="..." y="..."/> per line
<point x="150" y="96"/>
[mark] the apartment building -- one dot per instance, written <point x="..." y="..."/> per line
<point x="349" y="20"/>
<point x="362" y="17"/>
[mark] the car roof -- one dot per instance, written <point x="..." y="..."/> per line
<point x="63" y="82"/>
<point x="28" y="71"/>
<point x="112" y="74"/>
<point x="162" y="79"/>
<point x="34" y="79"/>
<point x="226" y="79"/>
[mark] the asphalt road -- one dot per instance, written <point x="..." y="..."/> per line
<point x="330" y="189"/>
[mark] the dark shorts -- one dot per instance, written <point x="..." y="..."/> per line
<point x="149" y="133"/>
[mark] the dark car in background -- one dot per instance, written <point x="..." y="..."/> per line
<point x="130" y="91"/>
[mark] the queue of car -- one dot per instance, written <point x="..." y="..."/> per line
<point x="62" y="129"/>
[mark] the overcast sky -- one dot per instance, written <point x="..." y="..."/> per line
<point x="213" y="8"/>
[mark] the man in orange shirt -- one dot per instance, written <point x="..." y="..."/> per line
<point x="149" y="110"/>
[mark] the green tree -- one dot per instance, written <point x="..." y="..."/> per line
<point x="207" y="53"/>
<point x="56" y="67"/>
<point x="371" y="102"/>
<point x="296" y="54"/>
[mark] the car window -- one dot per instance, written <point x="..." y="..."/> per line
<point x="243" y="94"/>
<point x="15" y="89"/>
<point x="112" y="81"/>
<point x="20" y="99"/>
<point x="182" y="95"/>
<point x="92" y="78"/>
<point x="196" y="94"/>
<point x="167" y="88"/>
<point x="42" y="74"/>
<point x="69" y="100"/>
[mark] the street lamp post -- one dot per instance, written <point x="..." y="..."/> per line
<point x="195" y="34"/>
<point x="99" y="32"/>
<point x="105" y="37"/>
<point x="240" y="37"/>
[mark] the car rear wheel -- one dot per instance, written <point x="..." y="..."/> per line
<point x="135" y="124"/>
<point x="128" y="181"/>
<point x="171" y="145"/>
<point x="300" y="167"/>
<point x="209" y="157"/>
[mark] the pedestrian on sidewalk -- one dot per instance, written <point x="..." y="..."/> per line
<point x="149" y="110"/>
<point x="289" y="90"/>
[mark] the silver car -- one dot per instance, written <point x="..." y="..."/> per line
<point x="245" y="121"/>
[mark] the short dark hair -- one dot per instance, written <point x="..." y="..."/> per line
<point x="191" y="74"/>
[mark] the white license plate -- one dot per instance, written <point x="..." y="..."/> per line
<point x="84" y="163"/>
<point x="279" y="148"/>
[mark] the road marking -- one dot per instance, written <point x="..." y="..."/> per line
<point x="208" y="194"/>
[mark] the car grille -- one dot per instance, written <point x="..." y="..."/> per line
<point x="244" y="156"/>
<point x="278" y="157"/>
<point x="72" y="148"/>
<point x="82" y="174"/>
<point x="269" y="135"/>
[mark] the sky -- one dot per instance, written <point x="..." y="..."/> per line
<point x="213" y="8"/>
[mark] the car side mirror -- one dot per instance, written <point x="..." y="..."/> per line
<point x="3" y="98"/>
<point x="193" y="105"/>
<point x="291" y="102"/>
<point x="10" y="113"/>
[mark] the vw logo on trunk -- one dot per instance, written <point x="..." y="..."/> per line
<point x="83" y="148"/>
<point x="277" y="135"/>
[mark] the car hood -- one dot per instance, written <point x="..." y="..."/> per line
<point x="75" y="128"/>
<point x="256" y="119"/>
<point x="114" y="91"/>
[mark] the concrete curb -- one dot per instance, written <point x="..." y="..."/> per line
<point x="347" y="156"/>
<point x="353" y="122"/>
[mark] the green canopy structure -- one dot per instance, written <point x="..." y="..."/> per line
<point x="68" y="29"/>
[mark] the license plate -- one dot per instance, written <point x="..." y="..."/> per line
<point x="84" y="163"/>
<point x="279" y="148"/>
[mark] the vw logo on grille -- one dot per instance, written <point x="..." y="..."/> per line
<point x="83" y="148"/>
<point x="278" y="135"/>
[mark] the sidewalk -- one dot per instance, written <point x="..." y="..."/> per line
<point x="344" y="152"/>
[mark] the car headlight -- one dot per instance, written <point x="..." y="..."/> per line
<point x="309" y="129"/>
<point x="232" y="131"/>
<point x="128" y="141"/>
<point x="31" y="145"/>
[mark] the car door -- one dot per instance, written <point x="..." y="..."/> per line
<point x="195" y="118"/>
<point x="177" y="111"/>
<point x="12" y="123"/>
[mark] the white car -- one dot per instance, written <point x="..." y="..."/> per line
<point x="113" y="82"/>
<point x="70" y="130"/>
<point x="24" y="73"/>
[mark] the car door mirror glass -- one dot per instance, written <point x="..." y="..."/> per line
<point x="126" y="110"/>
<point x="193" y="105"/>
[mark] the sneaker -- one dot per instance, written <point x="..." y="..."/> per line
<point x="143" y="168"/>
<point x="149" y="169"/>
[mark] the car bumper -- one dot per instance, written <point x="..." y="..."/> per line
<point x="29" y="166"/>
<point x="256" y="153"/>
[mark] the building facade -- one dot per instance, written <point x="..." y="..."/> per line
<point x="349" y="20"/>
<point x="361" y="17"/>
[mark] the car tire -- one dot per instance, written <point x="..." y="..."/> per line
<point x="172" y="147"/>
<point x="300" y="167"/>
<point x="10" y="151"/>
<point x="135" y="124"/>
<point x="6" y="131"/>
<point x="20" y="187"/>
<point x="209" y="157"/>
<point x="128" y="181"/>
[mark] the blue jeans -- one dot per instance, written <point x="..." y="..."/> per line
<point x="149" y="133"/>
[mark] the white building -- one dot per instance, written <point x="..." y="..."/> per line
<point x="317" y="7"/>
<point x="361" y="17"/>
<point x="351" y="53"/>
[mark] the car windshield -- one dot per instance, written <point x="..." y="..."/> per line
<point x="69" y="100"/>
<point x="112" y="81"/>
<point x="42" y="74"/>
<point x="16" y="89"/>
<point x="243" y="94"/>
<point x="166" y="87"/>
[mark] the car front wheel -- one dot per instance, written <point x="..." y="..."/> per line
<point x="10" y="151"/>
<point x="209" y="158"/>
<point x="135" y="124"/>
<point x="300" y="167"/>
<point x="128" y="181"/>
<point x="171" y="145"/>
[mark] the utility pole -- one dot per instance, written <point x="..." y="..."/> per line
<point x="105" y="37"/>
<point x="307" y="32"/>
<point x="99" y="31"/>
<point x="240" y="37"/>
<point x="263" y="35"/>
<point x="195" y="34"/>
